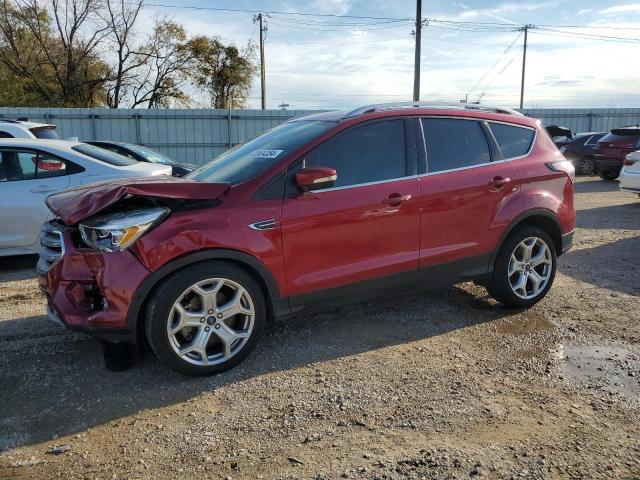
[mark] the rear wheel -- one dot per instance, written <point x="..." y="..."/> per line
<point x="524" y="268"/>
<point x="206" y="318"/>
<point x="586" y="166"/>
<point x="607" y="175"/>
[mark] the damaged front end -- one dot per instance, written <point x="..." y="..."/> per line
<point x="86" y="269"/>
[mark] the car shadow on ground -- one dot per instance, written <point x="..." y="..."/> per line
<point x="20" y="267"/>
<point x="594" y="185"/>
<point x="606" y="265"/>
<point x="56" y="384"/>
<point x="626" y="216"/>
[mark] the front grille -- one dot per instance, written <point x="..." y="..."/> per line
<point x="51" y="246"/>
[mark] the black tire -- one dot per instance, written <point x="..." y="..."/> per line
<point x="607" y="175"/>
<point x="160" y="305"/>
<point x="586" y="166"/>
<point x="500" y="287"/>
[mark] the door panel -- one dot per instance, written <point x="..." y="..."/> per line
<point x="26" y="179"/>
<point x="467" y="196"/>
<point x="23" y="211"/>
<point x="340" y="236"/>
<point x="462" y="214"/>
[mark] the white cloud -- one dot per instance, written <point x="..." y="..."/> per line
<point x="631" y="7"/>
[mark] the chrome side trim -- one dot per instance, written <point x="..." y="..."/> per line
<point x="264" y="224"/>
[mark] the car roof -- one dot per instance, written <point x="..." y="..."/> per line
<point x="38" y="143"/>
<point x="27" y="124"/>
<point x="423" y="109"/>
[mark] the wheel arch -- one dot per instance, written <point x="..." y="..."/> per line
<point x="541" y="218"/>
<point x="276" y="306"/>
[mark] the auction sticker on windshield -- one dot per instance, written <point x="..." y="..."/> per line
<point x="265" y="153"/>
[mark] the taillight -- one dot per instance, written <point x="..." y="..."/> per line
<point x="563" y="166"/>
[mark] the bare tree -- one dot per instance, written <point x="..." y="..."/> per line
<point x="65" y="40"/>
<point x="164" y="77"/>
<point x="120" y="17"/>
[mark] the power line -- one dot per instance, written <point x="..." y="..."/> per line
<point x="506" y="50"/>
<point x="276" y="12"/>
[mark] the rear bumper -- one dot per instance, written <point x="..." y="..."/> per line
<point x="613" y="165"/>
<point x="567" y="241"/>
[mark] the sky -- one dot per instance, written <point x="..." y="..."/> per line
<point x="469" y="48"/>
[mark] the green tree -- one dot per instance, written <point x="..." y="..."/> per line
<point x="223" y="71"/>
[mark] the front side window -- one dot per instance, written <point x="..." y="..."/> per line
<point x="513" y="141"/>
<point x="454" y="143"/>
<point x="256" y="156"/>
<point x="364" y="154"/>
<point x="16" y="165"/>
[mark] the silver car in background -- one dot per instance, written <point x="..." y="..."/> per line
<point x="32" y="169"/>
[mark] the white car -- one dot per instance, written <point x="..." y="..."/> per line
<point x="27" y="129"/>
<point x="630" y="175"/>
<point x="31" y="170"/>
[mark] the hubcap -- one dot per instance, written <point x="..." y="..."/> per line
<point x="216" y="302"/>
<point x="587" y="166"/>
<point x="530" y="267"/>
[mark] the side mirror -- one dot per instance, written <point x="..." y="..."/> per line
<point x="316" y="178"/>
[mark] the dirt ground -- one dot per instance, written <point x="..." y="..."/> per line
<point x="441" y="384"/>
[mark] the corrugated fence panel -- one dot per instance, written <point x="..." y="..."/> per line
<point x="198" y="136"/>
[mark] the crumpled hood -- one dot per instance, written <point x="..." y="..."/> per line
<point x="79" y="203"/>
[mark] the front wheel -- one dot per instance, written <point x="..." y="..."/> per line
<point x="524" y="268"/>
<point x="205" y="318"/>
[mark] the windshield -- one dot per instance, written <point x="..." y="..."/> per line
<point x="103" y="155"/>
<point x="256" y="156"/>
<point x="151" y="155"/>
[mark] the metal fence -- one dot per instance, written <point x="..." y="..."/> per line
<point x="586" y="119"/>
<point x="190" y="136"/>
<point x="197" y="136"/>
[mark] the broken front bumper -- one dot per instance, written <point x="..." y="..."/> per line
<point x="88" y="290"/>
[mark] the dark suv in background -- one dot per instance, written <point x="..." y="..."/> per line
<point x="580" y="150"/>
<point x="612" y="150"/>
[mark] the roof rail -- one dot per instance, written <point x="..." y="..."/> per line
<point x="460" y="106"/>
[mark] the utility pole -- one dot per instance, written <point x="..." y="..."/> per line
<point x="524" y="63"/>
<point x="263" y="87"/>
<point x="416" y="62"/>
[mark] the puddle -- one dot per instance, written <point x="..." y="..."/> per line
<point x="524" y="324"/>
<point x="604" y="368"/>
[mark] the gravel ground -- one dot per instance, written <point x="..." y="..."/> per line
<point x="441" y="384"/>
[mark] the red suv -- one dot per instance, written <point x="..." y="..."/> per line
<point x="322" y="210"/>
<point x="612" y="149"/>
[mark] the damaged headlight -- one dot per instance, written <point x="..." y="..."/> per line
<point x="117" y="231"/>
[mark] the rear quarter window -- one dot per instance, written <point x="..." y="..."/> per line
<point x="45" y="133"/>
<point x="513" y="141"/>
<point x="103" y="155"/>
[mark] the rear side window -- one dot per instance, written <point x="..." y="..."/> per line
<point x="103" y="155"/>
<point x="369" y="153"/>
<point x="20" y="165"/>
<point x="454" y="143"/>
<point x="513" y="141"/>
<point x="45" y="133"/>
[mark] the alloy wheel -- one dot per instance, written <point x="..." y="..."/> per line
<point x="586" y="166"/>
<point x="211" y="321"/>
<point x="530" y="268"/>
